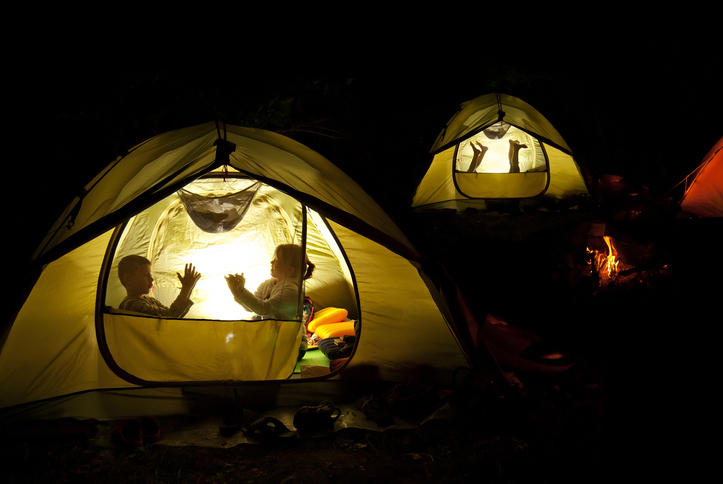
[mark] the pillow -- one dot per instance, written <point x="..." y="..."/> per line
<point x="326" y="316"/>
<point x="335" y="330"/>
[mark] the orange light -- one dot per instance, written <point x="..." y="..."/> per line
<point x="606" y="264"/>
<point x="611" y="261"/>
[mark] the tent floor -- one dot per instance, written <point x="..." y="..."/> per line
<point x="313" y="360"/>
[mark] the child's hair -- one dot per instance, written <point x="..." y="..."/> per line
<point x="291" y="254"/>
<point x="130" y="263"/>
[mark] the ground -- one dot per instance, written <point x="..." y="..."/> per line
<point x="550" y="427"/>
<point x="555" y="433"/>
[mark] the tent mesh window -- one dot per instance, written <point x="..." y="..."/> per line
<point x="501" y="161"/>
<point x="233" y="227"/>
<point x="500" y="148"/>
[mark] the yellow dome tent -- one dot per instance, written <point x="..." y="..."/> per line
<point x="69" y="351"/>
<point x="497" y="147"/>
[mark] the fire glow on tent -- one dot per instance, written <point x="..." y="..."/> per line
<point x="704" y="187"/>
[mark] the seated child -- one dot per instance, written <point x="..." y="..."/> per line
<point x="277" y="297"/>
<point x="135" y="274"/>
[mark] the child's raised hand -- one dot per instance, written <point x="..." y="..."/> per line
<point x="236" y="283"/>
<point x="190" y="277"/>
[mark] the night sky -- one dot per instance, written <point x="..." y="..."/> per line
<point x="648" y="113"/>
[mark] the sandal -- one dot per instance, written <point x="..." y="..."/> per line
<point x="320" y="418"/>
<point x="269" y="428"/>
<point x="376" y="407"/>
<point x="235" y="420"/>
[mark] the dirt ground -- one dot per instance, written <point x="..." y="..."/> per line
<point x="553" y="433"/>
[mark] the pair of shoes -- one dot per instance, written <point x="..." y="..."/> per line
<point x="268" y="429"/>
<point x="136" y="432"/>
<point x="235" y="420"/>
<point x="376" y="407"/>
<point x="314" y="419"/>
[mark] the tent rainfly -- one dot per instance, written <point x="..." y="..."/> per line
<point x="704" y="195"/>
<point x="222" y="199"/>
<point x="497" y="147"/>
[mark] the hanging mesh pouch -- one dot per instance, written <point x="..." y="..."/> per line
<point x="215" y="214"/>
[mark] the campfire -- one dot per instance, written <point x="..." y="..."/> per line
<point x="606" y="264"/>
<point x="614" y="264"/>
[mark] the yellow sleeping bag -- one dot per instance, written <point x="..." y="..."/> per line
<point x="326" y="316"/>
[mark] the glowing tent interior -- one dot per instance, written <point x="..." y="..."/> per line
<point x="497" y="147"/>
<point x="221" y="198"/>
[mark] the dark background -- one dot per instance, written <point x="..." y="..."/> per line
<point x="647" y="110"/>
<point x="645" y="106"/>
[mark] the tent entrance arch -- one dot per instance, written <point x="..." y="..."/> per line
<point x="218" y="340"/>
